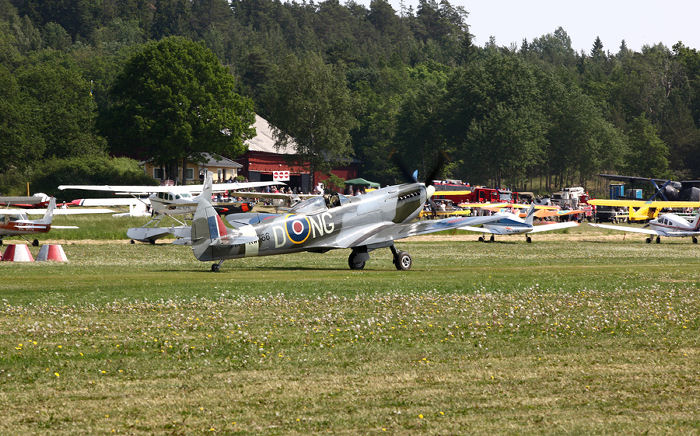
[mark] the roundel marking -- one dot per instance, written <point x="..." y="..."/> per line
<point x="297" y="228"/>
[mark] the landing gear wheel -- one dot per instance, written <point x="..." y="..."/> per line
<point x="491" y="239"/>
<point x="354" y="262"/>
<point x="35" y="243"/>
<point x="481" y="239"/>
<point x="695" y="240"/>
<point x="132" y="242"/>
<point x="403" y="261"/>
<point x="658" y="240"/>
<point x="152" y="241"/>
<point x="215" y="267"/>
<point x="528" y="239"/>
<point x="648" y="240"/>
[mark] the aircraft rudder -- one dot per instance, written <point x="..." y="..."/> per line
<point x="48" y="216"/>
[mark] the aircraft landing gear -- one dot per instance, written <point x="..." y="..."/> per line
<point x="481" y="239"/>
<point x="695" y="240"/>
<point x="658" y="240"/>
<point x="648" y="240"/>
<point x="35" y="243"/>
<point x="357" y="259"/>
<point x="491" y="239"/>
<point x="528" y="239"/>
<point x="217" y="266"/>
<point x="402" y="260"/>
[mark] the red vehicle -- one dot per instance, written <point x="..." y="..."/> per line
<point x="453" y="190"/>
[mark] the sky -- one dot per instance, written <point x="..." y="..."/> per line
<point x="638" y="22"/>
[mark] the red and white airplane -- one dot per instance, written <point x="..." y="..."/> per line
<point x="15" y="222"/>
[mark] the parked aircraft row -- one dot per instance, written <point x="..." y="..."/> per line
<point x="321" y="223"/>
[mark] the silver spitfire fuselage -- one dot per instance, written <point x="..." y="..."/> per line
<point x="363" y="223"/>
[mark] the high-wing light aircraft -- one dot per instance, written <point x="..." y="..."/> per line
<point x="14" y="222"/>
<point x="319" y="224"/>
<point x="169" y="201"/>
<point x="640" y="210"/>
<point x="667" y="225"/>
<point x="511" y="224"/>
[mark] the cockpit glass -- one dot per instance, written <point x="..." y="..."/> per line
<point x="186" y="195"/>
<point x="309" y="205"/>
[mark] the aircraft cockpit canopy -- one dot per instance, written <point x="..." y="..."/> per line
<point x="309" y="205"/>
<point x="315" y="204"/>
<point x="8" y="218"/>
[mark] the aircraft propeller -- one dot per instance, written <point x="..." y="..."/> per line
<point x="412" y="177"/>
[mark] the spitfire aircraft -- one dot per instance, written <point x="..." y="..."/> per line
<point x="363" y="223"/>
<point x="14" y="222"/>
<point x="511" y="224"/>
<point x="169" y="201"/>
<point x="667" y="225"/>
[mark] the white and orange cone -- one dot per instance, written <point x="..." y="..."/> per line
<point x="17" y="253"/>
<point x="52" y="252"/>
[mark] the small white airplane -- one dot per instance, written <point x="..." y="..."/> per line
<point x="666" y="225"/>
<point x="15" y="222"/>
<point x="169" y="201"/>
<point x="511" y="224"/>
<point x="172" y="200"/>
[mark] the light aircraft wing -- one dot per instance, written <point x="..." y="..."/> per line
<point x="383" y="232"/>
<point x="273" y="195"/>
<point x="135" y="189"/>
<point x="476" y="229"/>
<point x="555" y="226"/>
<point x="21" y="200"/>
<point x="626" y="229"/>
<point x="64" y="227"/>
<point x="55" y="211"/>
<point x="641" y="203"/>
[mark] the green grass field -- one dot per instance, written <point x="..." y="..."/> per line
<point x="577" y="333"/>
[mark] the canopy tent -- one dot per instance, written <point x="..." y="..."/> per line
<point x="362" y="182"/>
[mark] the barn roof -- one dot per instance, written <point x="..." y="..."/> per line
<point x="264" y="139"/>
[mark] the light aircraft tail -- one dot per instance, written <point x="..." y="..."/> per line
<point x="48" y="216"/>
<point x="696" y="221"/>
<point x="207" y="187"/>
<point x="530" y="217"/>
<point x="208" y="232"/>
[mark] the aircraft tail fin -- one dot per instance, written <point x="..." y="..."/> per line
<point x="48" y="216"/>
<point x="207" y="187"/>
<point x="696" y="222"/>
<point x="207" y="227"/>
<point x="530" y="217"/>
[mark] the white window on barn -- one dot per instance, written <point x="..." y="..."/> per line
<point x="189" y="173"/>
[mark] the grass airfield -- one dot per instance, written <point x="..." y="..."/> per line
<point x="580" y="332"/>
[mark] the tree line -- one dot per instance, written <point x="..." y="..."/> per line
<point x="168" y="79"/>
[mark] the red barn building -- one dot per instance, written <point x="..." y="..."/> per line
<point x="262" y="158"/>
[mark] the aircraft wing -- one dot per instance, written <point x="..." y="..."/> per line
<point x="55" y="211"/>
<point x="136" y="189"/>
<point x="641" y="203"/>
<point x="555" y="226"/>
<point x="273" y="195"/>
<point x="626" y="229"/>
<point x="387" y="231"/>
<point x="477" y="229"/>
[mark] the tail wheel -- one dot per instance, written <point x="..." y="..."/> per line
<point x="215" y="267"/>
<point x="403" y="261"/>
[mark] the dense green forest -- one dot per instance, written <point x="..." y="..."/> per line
<point x="82" y="80"/>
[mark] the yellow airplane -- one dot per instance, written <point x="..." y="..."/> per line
<point x="640" y="210"/>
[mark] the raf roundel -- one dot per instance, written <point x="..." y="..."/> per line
<point x="298" y="228"/>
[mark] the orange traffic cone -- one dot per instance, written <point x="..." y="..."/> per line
<point x="17" y="253"/>
<point x="52" y="252"/>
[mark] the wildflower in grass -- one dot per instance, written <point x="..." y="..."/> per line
<point x="420" y="416"/>
<point x="56" y="374"/>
